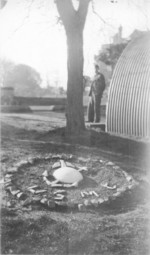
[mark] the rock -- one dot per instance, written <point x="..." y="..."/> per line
<point x="10" y="251"/>
<point x="31" y="161"/>
<point x="4" y="158"/>
<point x="105" y="199"/>
<point x="59" y="197"/>
<point x="21" y="195"/>
<point x="95" y="194"/>
<point x="131" y="186"/>
<point x="26" y="209"/>
<point x="36" y="198"/>
<point x="70" y="164"/>
<point x="82" y="159"/>
<point x="12" y="170"/>
<point x="100" y="200"/>
<point x="116" y="167"/>
<point x="57" y="185"/>
<point x="110" y="163"/>
<point x="40" y="191"/>
<point x="28" y="201"/>
<point x="8" y="176"/>
<point x="121" y="189"/>
<point x="14" y="192"/>
<point x="45" y="173"/>
<point x="34" y="159"/>
<point x="83" y="168"/>
<point x="56" y="165"/>
<point x="8" y="204"/>
<point x="128" y="177"/>
<point x="82" y="194"/>
<point x="87" y="202"/>
<point x="75" y="184"/>
<point x="91" y="193"/>
<point x="33" y="187"/>
<point x="86" y="193"/>
<point x="22" y="163"/>
<point x="7" y="181"/>
<point x="117" y="194"/>
<point x="2" y="181"/>
<point x="10" y="188"/>
<point x="7" y="185"/>
<point x="60" y="191"/>
<point x="44" y="201"/>
<point x="94" y="202"/>
<point x="81" y="207"/>
<point x="57" y="156"/>
<point x="106" y="185"/>
<point x="102" y="161"/>
<point x="31" y="190"/>
<point x="48" y="157"/>
<point x="46" y="180"/>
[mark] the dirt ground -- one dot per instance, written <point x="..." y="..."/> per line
<point x="120" y="225"/>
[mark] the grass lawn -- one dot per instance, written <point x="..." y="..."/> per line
<point x="120" y="226"/>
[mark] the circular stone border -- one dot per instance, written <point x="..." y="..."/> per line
<point x="52" y="204"/>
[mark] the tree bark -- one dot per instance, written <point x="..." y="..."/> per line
<point x="75" y="111"/>
<point x="73" y="21"/>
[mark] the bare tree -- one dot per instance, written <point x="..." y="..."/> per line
<point x="2" y="3"/>
<point x="74" y="21"/>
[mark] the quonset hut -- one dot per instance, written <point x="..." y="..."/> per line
<point x="128" y="109"/>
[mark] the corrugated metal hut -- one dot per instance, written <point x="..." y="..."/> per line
<point x="128" y="109"/>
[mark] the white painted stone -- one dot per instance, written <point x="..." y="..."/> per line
<point x="67" y="175"/>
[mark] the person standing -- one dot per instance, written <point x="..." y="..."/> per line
<point x="96" y="91"/>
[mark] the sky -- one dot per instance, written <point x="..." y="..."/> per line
<point x="30" y="33"/>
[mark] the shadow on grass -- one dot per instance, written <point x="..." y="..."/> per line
<point x="33" y="236"/>
<point x="137" y="149"/>
<point x="128" y="201"/>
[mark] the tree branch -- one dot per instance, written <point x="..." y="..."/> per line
<point x="82" y="11"/>
<point x="106" y="23"/>
<point x="93" y="9"/>
<point x="3" y="3"/>
<point x="66" y="11"/>
<point x="26" y="17"/>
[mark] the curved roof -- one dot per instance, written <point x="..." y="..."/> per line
<point x="128" y="110"/>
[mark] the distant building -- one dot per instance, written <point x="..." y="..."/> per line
<point x="117" y="38"/>
<point x="136" y="34"/>
<point x="114" y="49"/>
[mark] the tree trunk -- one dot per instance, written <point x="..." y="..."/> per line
<point x="75" y="111"/>
<point x="74" y="21"/>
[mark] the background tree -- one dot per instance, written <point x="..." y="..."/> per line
<point x="2" y="3"/>
<point x="111" y="54"/>
<point x="24" y="79"/>
<point x="74" y="21"/>
<point x="61" y="91"/>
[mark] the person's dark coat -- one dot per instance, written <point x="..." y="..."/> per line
<point x="96" y="92"/>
